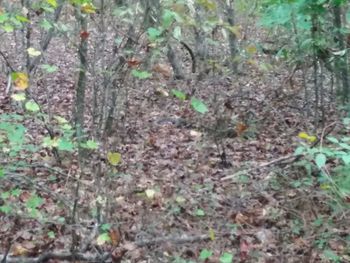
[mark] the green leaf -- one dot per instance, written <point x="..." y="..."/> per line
<point x="4" y="17"/>
<point x="299" y="150"/>
<point x="5" y="209"/>
<point x="320" y="160"/>
<point x="177" y="33"/>
<point x="332" y="139"/>
<point x="141" y="74"/>
<point x="205" y="254"/>
<point x="105" y="227"/>
<point x="7" y="28"/>
<point x="16" y="192"/>
<point x="329" y="254"/>
<point x="51" y="234"/>
<point x="48" y="142"/>
<point x="32" y="106"/>
<point x="65" y="145"/>
<point x="18" y="96"/>
<point x="198" y="105"/>
<point x="344" y="146"/>
<point x="90" y="144"/>
<point x="103" y="238"/>
<point x="22" y="19"/>
<point x="226" y="258"/>
<point x="346" y="159"/>
<point x="49" y="68"/>
<point x="346" y="121"/>
<point x="2" y="174"/>
<point x="45" y="24"/>
<point x="153" y="33"/>
<point x="5" y="195"/>
<point x="178" y="94"/>
<point x="200" y="212"/>
<point x="168" y="18"/>
<point x="53" y="3"/>
<point x="34" y="202"/>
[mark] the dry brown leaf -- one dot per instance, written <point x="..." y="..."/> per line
<point x="241" y="128"/>
<point x="115" y="236"/>
<point x="19" y="250"/>
<point x="162" y="69"/>
<point x="133" y="62"/>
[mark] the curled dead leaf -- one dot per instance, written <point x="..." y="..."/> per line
<point x="115" y="236"/>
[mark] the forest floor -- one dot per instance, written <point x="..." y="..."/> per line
<point x="175" y="194"/>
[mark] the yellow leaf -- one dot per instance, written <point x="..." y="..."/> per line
<point x="60" y="119"/>
<point x="88" y="8"/>
<point x="211" y="234"/>
<point x="303" y="135"/>
<point x="20" y="80"/>
<point x="252" y="62"/>
<point x="180" y="200"/>
<point x="33" y="52"/>
<point x="114" y="158"/>
<point x="236" y="30"/>
<point x="251" y="49"/>
<point x="325" y="186"/>
<point x="312" y="138"/>
<point x="150" y="193"/>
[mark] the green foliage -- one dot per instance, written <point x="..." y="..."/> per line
<point x="205" y="254"/>
<point x="330" y="255"/>
<point x="141" y="74"/>
<point x="333" y="162"/>
<point x="226" y="258"/>
<point x="16" y="150"/>
<point x="197" y="104"/>
<point x="179" y="94"/>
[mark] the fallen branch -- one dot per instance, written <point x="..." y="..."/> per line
<point x="64" y="255"/>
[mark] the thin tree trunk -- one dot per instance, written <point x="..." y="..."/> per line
<point x="232" y="39"/>
<point x="81" y="84"/>
<point x="341" y="63"/>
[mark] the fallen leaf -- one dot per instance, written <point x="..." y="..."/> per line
<point x="102" y="239"/>
<point x="114" y="158"/>
<point x="84" y="35"/>
<point x="133" y="62"/>
<point x="115" y="236"/>
<point x="150" y="193"/>
<point x="32" y="52"/>
<point x="18" y="250"/>
<point x="20" y="80"/>
<point x="244" y="248"/>
<point x="162" y="69"/>
<point x="88" y="8"/>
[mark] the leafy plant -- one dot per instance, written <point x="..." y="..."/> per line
<point x="196" y="104"/>
<point x="333" y="162"/>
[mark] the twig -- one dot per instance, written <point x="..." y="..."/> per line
<point x="7" y="62"/>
